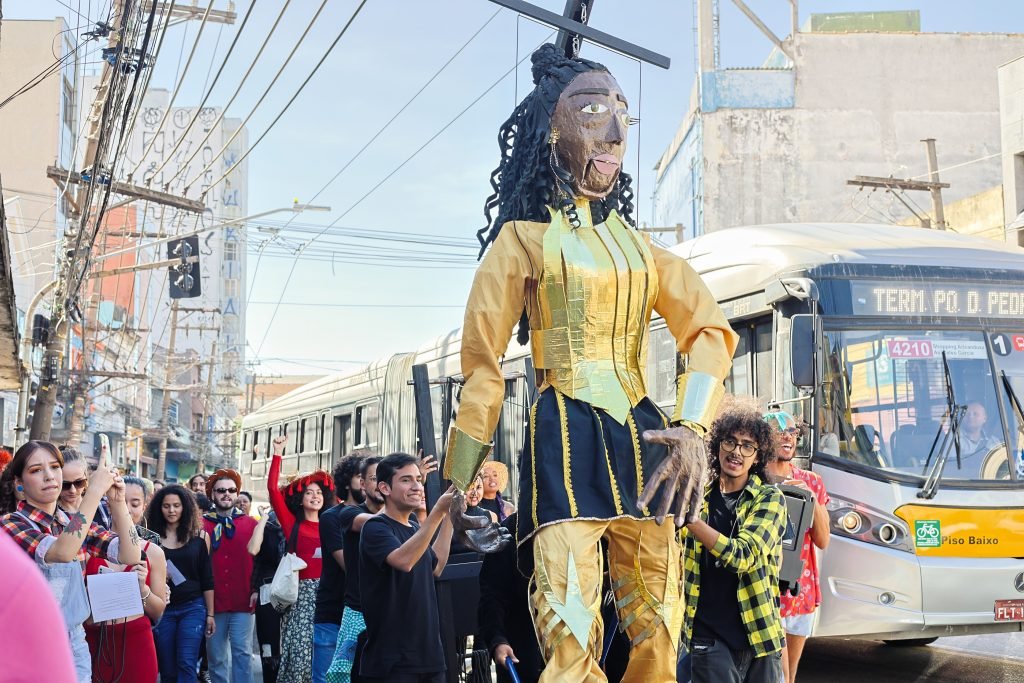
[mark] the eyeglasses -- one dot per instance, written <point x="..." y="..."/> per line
<point x="230" y="490"/>
<point x="80" y="484"/>
<point x="792" y="431"/>
<point x="747" y="448"/>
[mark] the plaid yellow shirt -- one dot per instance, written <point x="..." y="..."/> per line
<point x="753" y="553"/>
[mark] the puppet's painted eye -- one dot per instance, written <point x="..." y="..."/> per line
<point x="594" y="108"/>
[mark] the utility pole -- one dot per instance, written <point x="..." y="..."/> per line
<point x="207" y="448"/>
<point x="896" y="186"/>
<point x="165" y="401"/>
<point x="936" y="191"/>
<point x="46" y="398"/>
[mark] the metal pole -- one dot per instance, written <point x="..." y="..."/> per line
<point x="933" y="176"/>
<point x="206" y="404"/>
<point x="165" y="412"/>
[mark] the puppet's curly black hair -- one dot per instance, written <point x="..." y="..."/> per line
<point x="526" y="181"/>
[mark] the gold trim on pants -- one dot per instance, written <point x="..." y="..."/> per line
<point x="644" y="567"/>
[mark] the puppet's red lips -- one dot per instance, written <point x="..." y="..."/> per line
<point x="605" y="164"/>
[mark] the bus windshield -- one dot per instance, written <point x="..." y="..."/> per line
<point x="885" y="403"/>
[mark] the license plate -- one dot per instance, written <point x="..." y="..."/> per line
<point x="1009" y="610"/>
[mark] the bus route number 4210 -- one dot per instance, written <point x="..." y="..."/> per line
<point x="1009" y="610"/>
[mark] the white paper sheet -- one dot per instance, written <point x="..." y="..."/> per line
<point x="114" y="596"/>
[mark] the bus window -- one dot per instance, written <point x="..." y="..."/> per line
<point x="367" y="425"/>
<point x="255" y="443"/>
<point x="270" y="442"/>
<point x="763" y="385"/>
<point x="437" y="415"/>
<point x="341" y="443"/>
<point x="885" y="400"/>
<point x="245" y="441"/>
<point x="301" y="436"/>
<point x="738" y="380"/>
<point x="662" y="367"/>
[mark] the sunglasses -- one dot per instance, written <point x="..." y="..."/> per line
<point x="230" y="490"/>
<point x="80" y="484"/>
<point x="747" y="449"/>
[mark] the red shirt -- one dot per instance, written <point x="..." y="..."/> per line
<point x="232" y="565"/>
<point x="308" y="542"/>
<point x="810" y="587"/>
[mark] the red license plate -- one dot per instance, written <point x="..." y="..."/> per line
<point x="1009" y="610"/>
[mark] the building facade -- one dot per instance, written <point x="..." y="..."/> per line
<point x="856" y="95"/>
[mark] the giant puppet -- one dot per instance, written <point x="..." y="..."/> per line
<point x="601" y="460"/>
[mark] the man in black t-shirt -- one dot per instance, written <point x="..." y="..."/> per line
<point x="350" y="520"/>
<point x="330" y="595"/>
<point x="397" y="567"/>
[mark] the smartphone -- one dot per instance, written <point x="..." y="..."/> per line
<point x="104" y="450"/>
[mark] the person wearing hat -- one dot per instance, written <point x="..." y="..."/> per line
<point x="298" y="505"/>
<point x="229" y="648"/>
<point x="494" y="475"/>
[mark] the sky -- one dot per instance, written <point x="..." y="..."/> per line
<point x="426" y="176"/>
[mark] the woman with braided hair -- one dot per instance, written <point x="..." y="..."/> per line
<point x="565" y="261"/>
<point x="297" y="505"/>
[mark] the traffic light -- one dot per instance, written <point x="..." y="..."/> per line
<point x="183" y="277"/>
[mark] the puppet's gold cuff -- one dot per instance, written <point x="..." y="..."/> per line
<point x="697" y="399"/>
<point x="463" y="459"/>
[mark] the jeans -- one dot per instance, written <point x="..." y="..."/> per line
<point x="80" y="652"/>
<point x="177" y="637"/>
<point x="325" y="639"/>
<point x="234" y="629"/>
<point x="713" y="661"/>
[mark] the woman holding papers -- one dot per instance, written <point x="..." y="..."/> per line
<point x="59" y="541"/>
<point x="123" y="649"/>
<point x="174" y="515"/>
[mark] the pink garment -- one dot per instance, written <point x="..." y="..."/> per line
<point x="30" y="621"/>
<point x="810" y="586"/>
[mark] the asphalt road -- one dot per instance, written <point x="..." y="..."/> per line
<point x="997" y="658"/>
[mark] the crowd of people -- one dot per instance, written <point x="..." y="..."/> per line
<point x="368" y="553"/>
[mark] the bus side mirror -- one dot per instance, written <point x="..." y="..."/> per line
<point x="801" y="351"/>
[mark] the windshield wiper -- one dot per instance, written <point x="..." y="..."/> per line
<point x="955" y="414"/>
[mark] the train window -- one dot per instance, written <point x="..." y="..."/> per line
<point x="301" y="436"/>
<point x="367" y="424"/>
<point x="323" y="431"/>
<point x="270" y="442"/>
<point x="309" y="435"/>
<point x="255" y="443"/>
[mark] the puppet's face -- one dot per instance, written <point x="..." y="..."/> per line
<point x="591" y="118"/>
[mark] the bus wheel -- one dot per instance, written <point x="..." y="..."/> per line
<point x="911" y="642"/>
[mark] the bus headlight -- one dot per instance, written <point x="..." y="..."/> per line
<point x="863" y="523"/>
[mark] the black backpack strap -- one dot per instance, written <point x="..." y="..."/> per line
<point x="293" y="539"/>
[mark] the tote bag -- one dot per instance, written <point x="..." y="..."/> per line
<point x="284" y="588"/>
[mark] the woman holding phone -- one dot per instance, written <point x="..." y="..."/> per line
<point x="60" y="541"/>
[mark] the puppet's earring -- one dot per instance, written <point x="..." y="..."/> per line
<point x="553" y="138"/>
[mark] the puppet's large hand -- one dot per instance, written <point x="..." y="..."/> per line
<point x="682" y="471"/>
<point x="478" y="533"/>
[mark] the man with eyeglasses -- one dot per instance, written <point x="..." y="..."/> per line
<point x="798" y="611"/>
<point x="732" y="628"/>
<point x="234" y="598"/>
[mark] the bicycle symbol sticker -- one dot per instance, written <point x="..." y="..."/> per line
<point x="927" y="533"/>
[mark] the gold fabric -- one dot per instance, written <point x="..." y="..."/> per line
<point x="598" y="287"/>
<point x="463" y="458"/>
<point x="644" y="564"/>
<point x="598" y="284"/>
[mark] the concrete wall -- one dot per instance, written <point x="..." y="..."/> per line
<point x="862" y="103"/>
<point x="1011" y="129"/>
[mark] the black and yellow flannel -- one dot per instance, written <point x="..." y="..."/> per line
<point x="753" y="553"/>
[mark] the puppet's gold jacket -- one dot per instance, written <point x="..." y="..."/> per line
<point x="589" y="293"/>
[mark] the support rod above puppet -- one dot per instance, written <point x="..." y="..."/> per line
<point x="567" y="25"/>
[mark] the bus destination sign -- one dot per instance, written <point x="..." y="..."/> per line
<point x="939" y="299"/>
